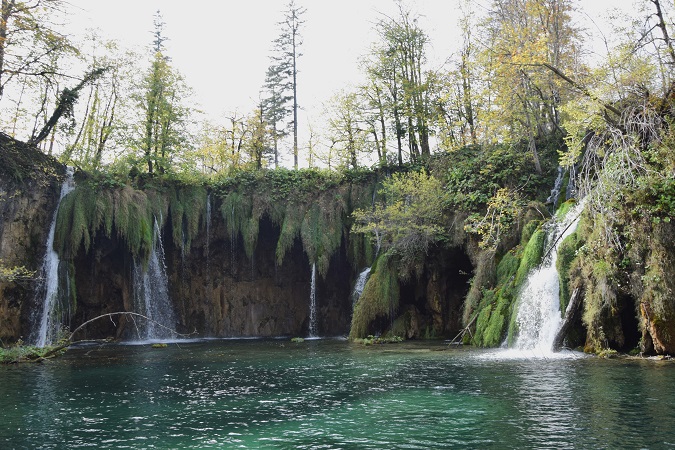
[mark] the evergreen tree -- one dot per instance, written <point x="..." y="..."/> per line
<point x="282" y="76"/>
<point x="163" y="131"/>
<point x="277" y="103"/>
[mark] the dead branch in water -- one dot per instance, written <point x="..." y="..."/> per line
<point x="70" y="341"/>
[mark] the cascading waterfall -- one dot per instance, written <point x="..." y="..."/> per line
<point x="557" y="188"/>
<point x="359" y="285"/>
<point x="208" y="234"/>
<point x="313" y="325"/>
<point x="232" y="243"/>
<point x="48" y="320"/>
<point x="538" y="316"/>
<point x="151" y="294"/>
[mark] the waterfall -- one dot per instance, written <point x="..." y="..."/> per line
<point x="232" y="243"/>
<point x="359" y="285"/>
<point x="208" y="233"/>
<point x="557" y="188"/>
<point x="538" y="316"/>
<point x="313" y="328"/>
<point x="47" y="322"/>
<point x="151" y="293"/>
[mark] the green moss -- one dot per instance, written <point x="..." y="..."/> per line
<point x="567" y="252"/>
<point x="483" y="319"/>
<point x="532" y="255"/>
<point x="483" y="280"/>
<point x="528" y="231"/>
<point x="492" y="321"/>
<point x="23" y="353"/>
<point x="401" y="325"/>
<point x="565" y="208"/>
<point x="378" y="340"/>
<point x="361" y="251"/>
<point x="507" y="268"/>
<point x="499" y="319"/>
<point x="379" y="299"/>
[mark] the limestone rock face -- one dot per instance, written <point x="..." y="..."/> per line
<point x="220" y="292"/>
<point x="224" y="293"/>
<point x="29" y="188"/>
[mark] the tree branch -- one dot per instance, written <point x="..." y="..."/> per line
<point x="70" y="340"/>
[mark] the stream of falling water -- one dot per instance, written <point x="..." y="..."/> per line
<point x="538" y="316"/>
<point x="208" y="238"/>
<point x="151" y="293"/>
<point x="359" y="285"/>
<point x="48" y="319"/>
<point x="313" y="320"/>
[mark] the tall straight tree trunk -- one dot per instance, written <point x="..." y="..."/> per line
<point x="295" y="103"/>
<point x="7" y="9"/>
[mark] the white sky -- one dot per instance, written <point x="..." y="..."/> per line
<point x="223" y="47"/>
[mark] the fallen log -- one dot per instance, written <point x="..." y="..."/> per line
<point x="572" y="308"/>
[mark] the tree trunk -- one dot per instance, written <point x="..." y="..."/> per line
<point x="570" y="313"/>
<point x="295" y="103"/>
<point x="7" y="9"/>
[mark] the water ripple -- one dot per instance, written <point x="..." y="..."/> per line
<point x="333" y="395"/>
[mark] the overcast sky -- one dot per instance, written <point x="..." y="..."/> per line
<point x="223" y="47"/>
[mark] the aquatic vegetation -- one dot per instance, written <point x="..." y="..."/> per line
<point x="375" y="340"/>
<point x="19" y="353"/>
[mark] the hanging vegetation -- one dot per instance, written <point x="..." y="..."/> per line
<point x="379" y="299"/>
<point x="187" y="206"/>
<point x="126" y="213"/>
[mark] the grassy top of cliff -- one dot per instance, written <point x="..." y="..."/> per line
<point x="22" y="162"/>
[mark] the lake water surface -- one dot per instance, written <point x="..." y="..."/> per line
<point x="330" y="394"/>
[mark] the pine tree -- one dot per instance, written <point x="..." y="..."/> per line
<point x="282" y="76"/>
<point x="164" y="116"/>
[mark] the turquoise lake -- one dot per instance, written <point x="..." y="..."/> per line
<point x="332" y="394"/>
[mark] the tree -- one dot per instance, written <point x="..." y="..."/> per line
<point x="409" y="219"/>
<point x="276" y="104"/>
<point x="345" y="128"/>
<point x="258" y="143"/>
<point x="283" y="73"/>
<point x="65" y="105"/>
<point x="521" y="37"/>
<point x="374" y="114"/>
<point x="458" y="107"/>
<point x="100" y="121"/>
<point x="400" y="85"/>
<point x="163" y="129"/>
<point x="31" y="56"/>
<point x="384" y="90"/>
<point x="27" y="40"/>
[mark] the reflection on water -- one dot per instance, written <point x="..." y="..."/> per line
<point x="276" y="394"/>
